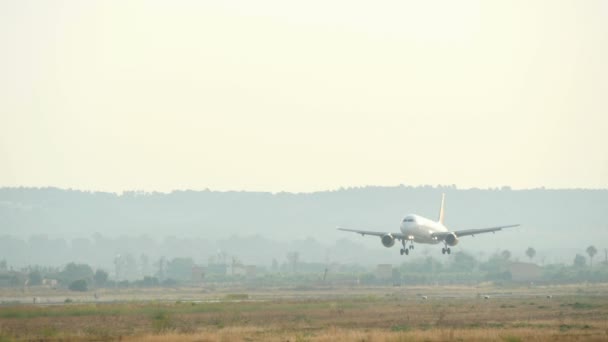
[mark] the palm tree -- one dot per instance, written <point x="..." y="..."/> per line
<point x="530" y="252"/>
<point x="505" y="254"/>
<point x="592" y="251"/>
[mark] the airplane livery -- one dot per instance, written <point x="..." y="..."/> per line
<point x="415" y="228"/>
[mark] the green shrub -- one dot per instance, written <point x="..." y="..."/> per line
<point x="511" y="339"/>
<point x="236" y="296"/>
<point x="78" y="285"/>
<point x="161" y="321"/>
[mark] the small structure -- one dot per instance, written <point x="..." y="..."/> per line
<point x="525" y="272"/>
<point x="198" y="273"/>
<point x="217" y="269"/>
<point x="50" y="282"/>
<point x="239" y="270"/>
<point x="251" y="271"/>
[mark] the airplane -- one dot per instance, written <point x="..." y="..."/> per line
<point x="415" y="228"/>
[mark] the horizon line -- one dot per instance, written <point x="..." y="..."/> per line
<point x="340" y="188"/>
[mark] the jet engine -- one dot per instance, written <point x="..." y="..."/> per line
<point x="388" y="240"/>
<point x="451" y="240"/>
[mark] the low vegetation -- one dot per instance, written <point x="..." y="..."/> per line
<point x="338" y="315"/>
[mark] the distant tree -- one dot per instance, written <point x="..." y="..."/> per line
<point x="78" y="285"/>
<point x="463" y="262"/>
<point x="530" y="252"/>
<point x="222" y="256"/>
<point x="73" y="271"/>
<point x="3" y="265"/>
<point x="506" y="254"/>
<point x="496" y="263"/>
<point x="275" y="265"/>
<point x="169" y="282"/>
<point x="180" y="269"/>
<point x="15" y="279"/>
<point x="35" y="278"/>
<point x="123" y="283"/>
<point x="162" y="268"/>
<point x="592" y="251"/>
<point x="292" y="259"/>
<point x="235" y="263"/>
<point x="119" y="267"/>
<point x="144" y="262"/>
<point x="131" y="269"/>
<point x="579" y="261"/>
<point x="101" y="277"/>
<point x="150" y="281"/>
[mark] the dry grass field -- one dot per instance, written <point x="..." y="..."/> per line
<point x="375" y="314"/>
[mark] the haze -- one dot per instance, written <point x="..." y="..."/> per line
<point x="283" y="96"/>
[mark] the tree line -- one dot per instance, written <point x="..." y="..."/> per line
<point x="461" y="268"/>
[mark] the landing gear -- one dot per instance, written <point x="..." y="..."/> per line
<point x="405" y="250"/>
<point x="446" y="250"/>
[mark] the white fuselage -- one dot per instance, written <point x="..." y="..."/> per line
<point x="420" y="229"/>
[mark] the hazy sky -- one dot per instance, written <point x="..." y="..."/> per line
<point x="303" y="96"/>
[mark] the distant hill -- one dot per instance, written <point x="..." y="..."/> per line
<point x="552" y="219"/>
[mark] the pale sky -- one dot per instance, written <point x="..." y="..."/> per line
<point x="303" y="96"/>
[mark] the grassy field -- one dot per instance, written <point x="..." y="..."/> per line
<point x="373" y="314"/>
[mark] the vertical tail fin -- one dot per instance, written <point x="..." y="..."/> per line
<point x="441" y="210"/>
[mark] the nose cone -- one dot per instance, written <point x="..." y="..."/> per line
<point x="409" y="219"/>
<point x="408" y="222"/>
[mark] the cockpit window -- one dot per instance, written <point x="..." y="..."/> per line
<point x="408" y="219"/>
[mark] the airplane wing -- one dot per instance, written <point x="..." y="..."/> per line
<point x="474" y="232"/>
<point x="399" y="236"/>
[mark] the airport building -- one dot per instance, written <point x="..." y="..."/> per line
<point x="525" y="272"/>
